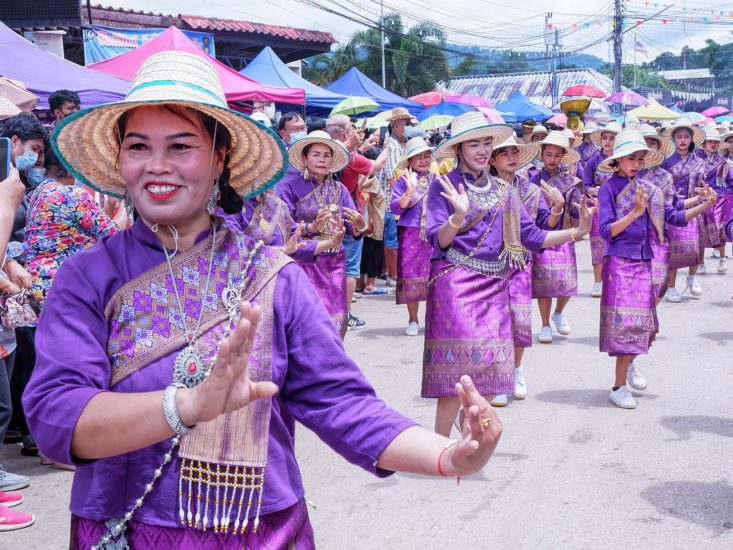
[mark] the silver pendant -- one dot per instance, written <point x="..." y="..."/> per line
<point x="232" y="300"/>
<point x="190" y="367"/>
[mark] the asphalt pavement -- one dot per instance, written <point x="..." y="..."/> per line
<point x="571" y="470"/>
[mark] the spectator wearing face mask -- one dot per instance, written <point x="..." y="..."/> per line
<point x="291" y="128"/>
<point x="63" y="103"/>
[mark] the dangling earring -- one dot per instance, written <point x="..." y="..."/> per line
<point x="214" y="198"/>
<point x="306" y="175"/>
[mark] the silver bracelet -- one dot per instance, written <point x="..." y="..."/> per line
<point x="170" y="410"/>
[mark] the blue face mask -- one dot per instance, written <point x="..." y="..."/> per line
<point x="36" y="176"/>
<point x="26" y="160"/>
<point x="297" y="136"/>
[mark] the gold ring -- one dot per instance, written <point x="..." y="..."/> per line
<point x="485" y="423"/>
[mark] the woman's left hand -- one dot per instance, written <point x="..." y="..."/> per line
<point x="293" y="244"/>
<point x="355" y="218"/>
<point x="586" y="215"/>
<point x="481" y="432"/>
<point x="552" y="195"/>
<point x="18" y="274"/>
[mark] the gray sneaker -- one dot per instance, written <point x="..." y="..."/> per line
<point x="12" y="482"/>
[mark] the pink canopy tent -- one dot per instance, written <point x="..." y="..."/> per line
<point x="237" y="87"/>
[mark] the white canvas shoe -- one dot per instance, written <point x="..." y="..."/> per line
<point x="635" y="379"/>
<point x="546" y="335"/>
<point x="622" y="398"/>
<point x="499" y="401"/>
<point x="715" y="253"/>
<point x="722" y="265"/>
<point x="412" y="329"/>
<point x="701" y="269"/>
<point x="673" y="296"/>
<point x="520" y="384"/>
<point x="561" y="323"/>
<point x="597" y="290"/>
<point x="693" y="285"/>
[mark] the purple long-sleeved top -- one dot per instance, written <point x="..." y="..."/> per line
<point x="537" y="179"/>
<point x="543" y="212"/>
<point x="439" y="209"/>
<point x="660" y="177"/>
<point x="586" y="151"/>
<point x="320" y="386"/>
<point x="634" y="242"/>
<point x="410" y="216"/>
<point x="590" y="168"/>
<point x="682" y="169"/>
<point x="718" y="173"/>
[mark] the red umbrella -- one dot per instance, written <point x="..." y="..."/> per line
<point x="430" y="98"/>
<point x="584" y="90"/>
<point x="469" y="99"/>
<point x="716" y="111"/>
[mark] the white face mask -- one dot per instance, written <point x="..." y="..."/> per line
<point x="26" y="161"/>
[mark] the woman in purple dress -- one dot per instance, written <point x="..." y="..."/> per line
<point x="719" y="176"/>
<point x="326" y="208"/>
<point x="409" y="202"/>
<point x="587" y="148"/>
<point x="631" y="209"/>
<point x="480" y="233"/>
<point x="193" y="347"/>
<point x="603" y="138"/>
<point x="687" y="174"/>
<point x="555" y="271"/>
<point x="506" y="159"/>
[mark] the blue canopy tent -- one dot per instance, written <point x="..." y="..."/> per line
<point x="354" y="82"/>
<point x="268" y="68"/>
<point x="518" y="108"/>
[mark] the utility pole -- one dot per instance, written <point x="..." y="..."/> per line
<point x="547" y="43"/>
<point x="636" y="43"/>
<point x="554" y="66"/>
<point x="381" y="25"/>
<point x="684" y="33"/>
<point x="618" y="24"/>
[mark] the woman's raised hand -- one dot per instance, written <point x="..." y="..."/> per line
<point x="228" y="387"/>
<point x="457" y="199"/>
<point x="411" y="181"/>
<point x="552" y="195"/>
<point x="586" y="215"/>
<point x="641" y="199"/>
<point x="293" y="244"/>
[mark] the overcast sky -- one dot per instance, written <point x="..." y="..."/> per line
<point x="491" y="24"/>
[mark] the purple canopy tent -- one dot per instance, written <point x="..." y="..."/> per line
<point x="43" y="73"/>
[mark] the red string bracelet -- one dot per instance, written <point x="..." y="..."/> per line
<point x="440" y="459"/>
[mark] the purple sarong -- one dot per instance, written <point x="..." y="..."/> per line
<point x="597" y="244"/>
<point x="712" y="222"/>
<point x="284" y="530"/>
<point x="413" y="266"/>
<point x="628" y="309"/>
<point x="660" y="265"/>
<point x="684" y="245"/>
<point x="468" y="330"/>
<point x="554" y="272"/>
<point x="520" y="306"/>
<point x="328" y="276"/>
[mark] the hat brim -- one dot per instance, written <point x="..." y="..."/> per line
<point x="499" y="133"/>
<point x="726" y="135"/>
<point x="571" y="156"/>
<point x="651" y="159"/>
<point x="340" y="155"/>
<point x="595" y="135"/>
<point x="402" y="164"/>
<point x="88" y="145"/>
<point x="698" y="136"/>
<point x="666" y="145"/>
<point x="526" y="153"/>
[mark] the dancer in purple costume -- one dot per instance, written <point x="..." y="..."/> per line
<point x="631" y="209"/>
<point x="315" y="198"/>
<point x="409" y="201"/>
<point x="555" y="272"/>
<point x="586" y="149"/>
<point x="480" y="232"/>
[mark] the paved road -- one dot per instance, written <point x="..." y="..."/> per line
<point x="571" y="470"/>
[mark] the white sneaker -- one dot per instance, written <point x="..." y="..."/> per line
<point x="622" y="398"/>
<point x="560" y="323"/>
<point x="520" y="384"/>
<point x="635" y="379"/>
<point x="546" y="335"/>
<point x="694" y="286"/>
<point x="722" y="265"/>
<point x="597" y="291"/>
<point x="715" y="253"/>
<point x="412" y="329"/>
<point x="391" y="282"/>
<point x="499" y="401"/>
<point x="701" y="269"/>
<point x="673" y="296"/>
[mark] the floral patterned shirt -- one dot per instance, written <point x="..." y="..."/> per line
<point x="62" y="221"/>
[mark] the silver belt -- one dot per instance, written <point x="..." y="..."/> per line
<point x="498" y="270"/>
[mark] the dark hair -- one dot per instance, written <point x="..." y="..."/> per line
<point x="373" y="153"/>
<point x="316" y="123"/>
<point x="287" y="117"/>
<point x="229" y="199"/>
<point x="59" y="97"/>
<point x="615" y="164"/>
<point x="691" y="146"/>
<point x="50" y="158"/>
<point x="26" y="126"/>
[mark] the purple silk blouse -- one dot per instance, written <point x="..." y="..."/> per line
<point x="589" y="169"/>
<point x="410" y="216"/>
<point x="712" y="166"/>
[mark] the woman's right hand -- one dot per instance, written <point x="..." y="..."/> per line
<point x="324" y="216"/>
<point x="12" y="189"/>
<point x="411" y="181"/>
<point x="457" y="199"/>
<point x="641" y="199"/>
<point x="228" y="387"/>
<point x="586" y="215"/>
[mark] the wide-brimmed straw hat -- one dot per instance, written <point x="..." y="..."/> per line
<point x="698" y="136"/>
<point x="413" y="147"/>
<point x="589" y="127"/>
<point x="572" y="138"/>
<point x="628" y="142"/>
<point x="526" y="153"/>
<point x="712" y="134"/>
<point x="666" y="145"/>
<point x="399" y="113"/>
<point x="340" y="154"/>
<point x="558" y="139"/>
<point x="539" y="129"/>
<point x="613" y="127"/>
<point x="88" y="143"/>
<point x="469" y="126"/>
<point x="726" y="135"/>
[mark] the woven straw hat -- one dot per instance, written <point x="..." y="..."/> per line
<point x="666" y="145"/>
<point x="399" y="113"/>
<point x="572" y="138"/>
<point x="628" y="142"/>
<point x="589" y="127"/>
<point x="539" y="129"/>
<point x="469" y="126"/>
<point x="726" y="135"/>
<point x="88" y="144"/>
<point x="698" y="136"/>
<point x="340" y="154"/>
<point x="712" y="134"/>
<point x="612" y="126"/>
<point x="558" y="139"/>
<point x="413" y="147"/>
<point x="526" y="153"/>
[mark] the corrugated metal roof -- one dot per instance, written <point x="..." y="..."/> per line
<point x="233" y="25"/>
<point x="686" y="74"/>
<point x="535" y="86"/>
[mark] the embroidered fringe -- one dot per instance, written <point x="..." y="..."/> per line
<point x="516" y="257"/>
<point x="228" y="486"/>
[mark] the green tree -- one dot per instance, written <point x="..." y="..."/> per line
<point x="325" y="68"/>
<point x="644" y="77"/>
